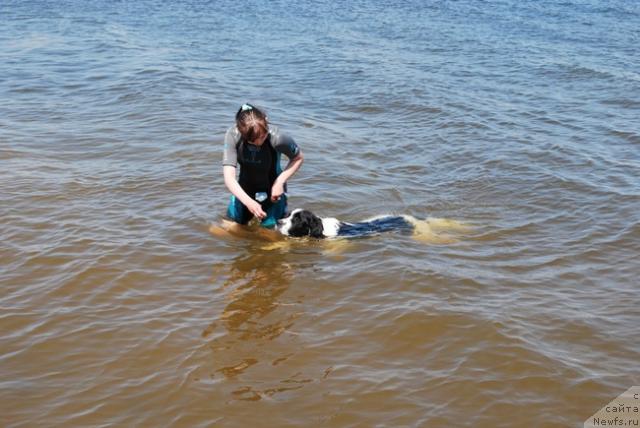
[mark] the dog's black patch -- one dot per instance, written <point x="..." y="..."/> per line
<point x="373" y="227"/>
<point x="305" y="223"/>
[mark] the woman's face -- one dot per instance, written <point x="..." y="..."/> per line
<point x="260" y="140"/>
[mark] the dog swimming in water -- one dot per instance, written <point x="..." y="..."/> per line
<point x="300" y="223"/>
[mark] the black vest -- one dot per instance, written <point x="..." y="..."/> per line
<point x="259" y="167"/>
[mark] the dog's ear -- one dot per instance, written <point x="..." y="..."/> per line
<point x="315" y="227"/>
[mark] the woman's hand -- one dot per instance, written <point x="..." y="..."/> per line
<point x="276" y="191"/>
<point x="230" y="181"/>
<point x="256" y="209"/>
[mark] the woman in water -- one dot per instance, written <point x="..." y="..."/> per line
<point x="260" y="188"/>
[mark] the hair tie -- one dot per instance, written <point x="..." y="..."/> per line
<point x="246" y="107"/>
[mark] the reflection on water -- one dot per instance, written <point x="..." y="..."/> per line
<point x="252" y="287"/>
<point x="254" y="314"/>
<point x="118" y="308"/>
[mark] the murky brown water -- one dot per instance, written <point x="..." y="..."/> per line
<point x="118" y="307"/>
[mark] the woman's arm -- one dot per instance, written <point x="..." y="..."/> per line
<point x="292" y="167"/>
<point x="232" y="184"/>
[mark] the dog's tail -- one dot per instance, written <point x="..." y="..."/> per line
<point x="437" y="230"/>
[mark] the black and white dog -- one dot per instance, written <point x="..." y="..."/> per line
<point x="305" y="223"/>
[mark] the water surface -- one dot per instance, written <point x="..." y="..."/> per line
<point x="119" y="308"/>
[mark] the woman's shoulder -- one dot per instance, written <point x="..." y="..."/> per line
<point x="232" y="136"/>
<point x="232" y="131"/>
<point x="274" y="131"/>
<point x="283" y="143"/>
<point x="278" y="136"/>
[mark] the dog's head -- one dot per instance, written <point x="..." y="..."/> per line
<point x="301" y="223"/>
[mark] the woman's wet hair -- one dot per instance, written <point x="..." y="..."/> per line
<point x="251" y="122"/>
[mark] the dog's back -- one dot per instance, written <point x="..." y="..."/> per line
<point x="375" y="226"/>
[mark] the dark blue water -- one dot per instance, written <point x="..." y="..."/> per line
<point x="520" y="118"/>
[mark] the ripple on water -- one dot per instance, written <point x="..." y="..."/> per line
<point x="120" y="308"/>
